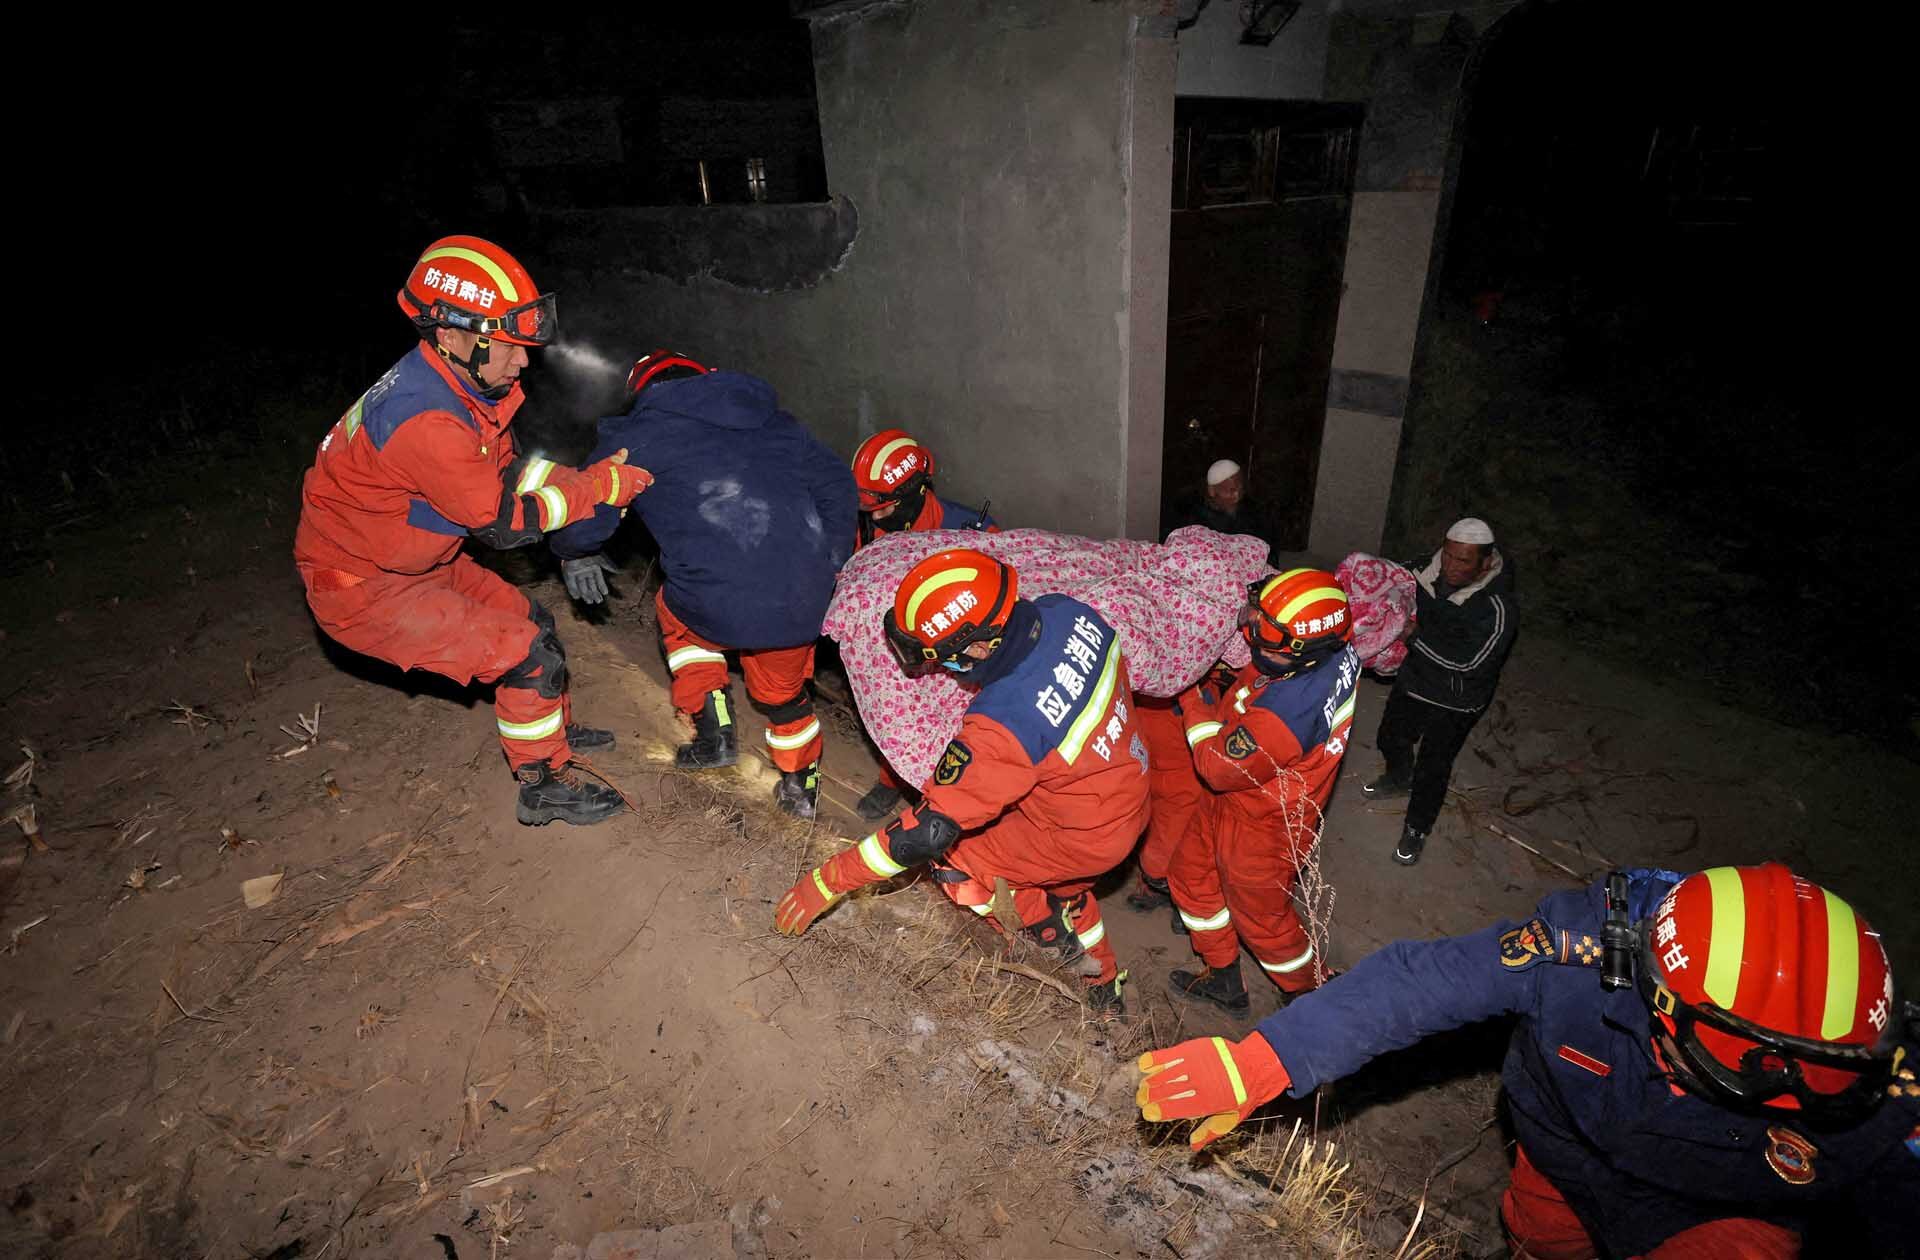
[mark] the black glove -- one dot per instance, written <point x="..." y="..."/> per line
<point x="586" y="578"/>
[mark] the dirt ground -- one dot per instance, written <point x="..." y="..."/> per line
<point x="446" y="1034"/>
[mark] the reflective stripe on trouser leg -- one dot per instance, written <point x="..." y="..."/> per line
<point x="1087" y="925"/>
<point x="531" y="727"/>
<point x="696" y="665"/>
<point x="795" y="745"/>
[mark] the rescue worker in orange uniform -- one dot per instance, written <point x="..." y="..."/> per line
<point x="423" y="462"/>
<point x="894" y="474"/>
<point x="1044" y="787"/>
<point x="1268" y="744"/>
<point x="1179" y="799"/>
<point x="1730" y="1081"/>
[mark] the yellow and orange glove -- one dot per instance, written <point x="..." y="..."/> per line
<point x="566" y="495"/>
<point x="1211" y="1077"/>
<point x="819" y="890"/>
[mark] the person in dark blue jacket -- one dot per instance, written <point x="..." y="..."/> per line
<point x="1732" y="1071"/>
<point x="754" y="518"/>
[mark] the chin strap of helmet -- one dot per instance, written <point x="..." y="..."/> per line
<point x="482" y="349"/>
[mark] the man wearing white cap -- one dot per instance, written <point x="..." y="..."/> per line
<point x="1465" y="618"/>
<point x="1226" y="507"/>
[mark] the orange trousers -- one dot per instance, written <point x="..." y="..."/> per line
<point x="459" y="621"/>
<point x="776" y="683"/>
<point x="1232" y="879"/>
<point x="1038" y="863"/>
<point x="1540" y="1226"/>
<point x="1174" y="790"/>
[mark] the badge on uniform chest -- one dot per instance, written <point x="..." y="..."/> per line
<point x="953" y="763"/>
<point x="1790" y="1155"/>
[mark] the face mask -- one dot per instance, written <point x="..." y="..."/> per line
<point x="1272" y="668"/>
<point x="958" y="666"/>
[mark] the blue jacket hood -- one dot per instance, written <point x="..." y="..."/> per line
<point x="723" y="400"/>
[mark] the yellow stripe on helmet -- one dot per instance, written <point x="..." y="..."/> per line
<point x="1843" y="970"/>
<point x="494" y="270"/>
<point x="1313" y="596"/>
<point x="1728" y="944"/>
<point x="944" y="578"/>
<point x="1266" y="588"/>
<point x="880" y="458"/>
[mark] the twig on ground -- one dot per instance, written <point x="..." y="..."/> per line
<point x="205" y="1019"/>
<point x="644" y="920"/>
<point x="1021" y="969"/>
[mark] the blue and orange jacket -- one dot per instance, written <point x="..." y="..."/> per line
<point x="403" y="476"/>
<point x="1638" y="1160"/>
<point x="1051" y="731"/>
<point x="753" y="515"/>
<point x="1246" y="734"/>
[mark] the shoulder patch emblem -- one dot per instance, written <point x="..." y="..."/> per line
<point x="953" y="763"/>
<point x="1790" y="1155"/>
<point x="1240" y="743"/>
<point x="1532" y="942"/>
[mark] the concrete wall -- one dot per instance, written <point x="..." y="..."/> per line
<point x="1407" y="71"/>
<point x="1213" y="61"/>
<point x="982" y="147"/>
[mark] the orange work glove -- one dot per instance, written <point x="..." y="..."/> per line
<point x="1222" y="1080"/>
<point x="615" y="481"/>
<point x="819" y="890"/>
<point x="566" y="495"/>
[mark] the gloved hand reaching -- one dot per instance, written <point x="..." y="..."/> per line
<point x="615" y="480"/>
<point x="820" y="889"/>
<point x="586" y="577"/>
<point x="1224" y="1081"/>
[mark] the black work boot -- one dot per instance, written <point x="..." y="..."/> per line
<point x="1150" y="895"/>
<point x="881" y="801"/>
<point x="565" y="795"/>
<point x="587" y="738"/>
<point x="1387" y="786"/>
<point x="1104" y="1001"/>
<point x="798" y="792"/>
<point x="715" y="743"/>
<point x="1407" y="850"/>
<point x="1222" y="988"/>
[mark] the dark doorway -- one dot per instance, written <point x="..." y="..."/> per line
<point x="1261" y="196"/>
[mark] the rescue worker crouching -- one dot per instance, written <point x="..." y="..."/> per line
<point x="1044" y="787"/>
<point x="1734" y="1074"/>
<point x="421" y="463"/>
<point x="894" y="474"/>
<point x="754" y="517"/>
<point x="1268" y="744"/>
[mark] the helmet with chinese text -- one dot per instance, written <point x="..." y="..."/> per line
<point x="1771" y="991"/>
<point x="1300" y="615"/>
<point x="656" y="366"/>
<point x="892" y="467"/>
<point x="947" y="602"/>
<point x="473" y="285"/>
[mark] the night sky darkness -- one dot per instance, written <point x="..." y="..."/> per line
<point x="221" y="233"/>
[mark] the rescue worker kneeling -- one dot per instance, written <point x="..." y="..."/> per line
<point x="1045" y="786"/>
<point x="425" y="461"/>
<point x="1702" y="1065"/>
<point x="894" y="474"/>
<point x="1268" y="743"/>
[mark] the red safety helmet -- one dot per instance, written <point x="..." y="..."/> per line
<point x="890" y="466"/>
<point x="1773" y="991"/>
<point x="1301" y="614"/>
<point x="466" y="283"/>
<point x="948" y="601"/>
<point x="656" y="365"/>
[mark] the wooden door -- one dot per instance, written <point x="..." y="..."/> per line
<point x="1262" y="192"/>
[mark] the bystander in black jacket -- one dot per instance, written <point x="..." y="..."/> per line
<point x="1455" y="658"/>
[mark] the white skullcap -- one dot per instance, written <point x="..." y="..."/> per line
<point x="1220" y="470"/>
<point x="1471" y="529"/>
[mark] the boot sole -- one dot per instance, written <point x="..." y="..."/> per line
<point x="1201" y="999"/>
<point x="554" y="813"/>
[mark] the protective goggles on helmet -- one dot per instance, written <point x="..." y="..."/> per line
<point x="1773" y="1066"/>
<point x="534" y="323"/>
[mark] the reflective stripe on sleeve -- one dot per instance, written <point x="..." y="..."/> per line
<point x="556" y="507"/>
<point x="873" y="851"/>
<point x="534" y="476"/>
<point x="1201" y="730"/>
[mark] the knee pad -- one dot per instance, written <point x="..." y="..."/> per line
<point x="920" y="835"/>
<point x="540" y="615"/>
<point x="545" y="669"/>
<point x="801" y="706"/>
